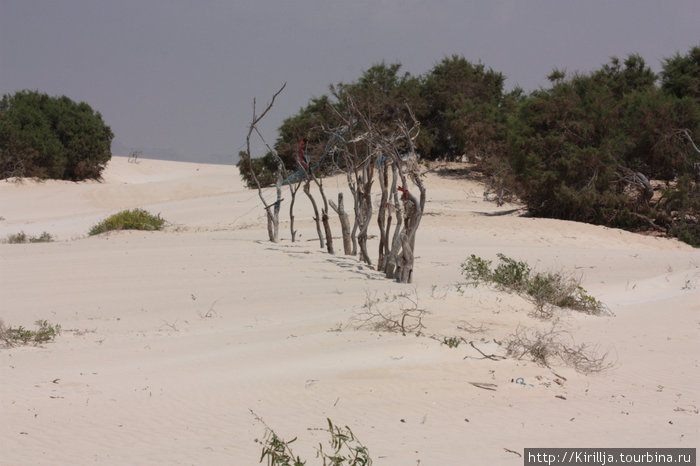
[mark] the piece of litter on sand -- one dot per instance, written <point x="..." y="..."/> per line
<point x="485" y="386"/>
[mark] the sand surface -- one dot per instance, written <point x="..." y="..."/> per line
<point x="170" y="338"/>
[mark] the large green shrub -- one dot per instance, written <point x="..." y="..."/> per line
<point x="586" y="148"/>
<point x="463" y="110"/>
<point x="51" y="137"/>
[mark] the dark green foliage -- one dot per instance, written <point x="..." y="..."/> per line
<point x="461" y="106"/>
<point x="463" y="111"/>
<point x="277" y="451"/>
<point x="265" y="169"/>
<point x="312" y="122"/>
<point x="51" y="137"/>
<point x="135" y="219"/>
<point x="593" y="147"/>
<point x="384" y="95"/>
<point x="585" y="149"/>
<point x="681" y="75"/>
<point x="380" y="93"/>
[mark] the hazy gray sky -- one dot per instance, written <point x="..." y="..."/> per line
<point x="182" y="74"/>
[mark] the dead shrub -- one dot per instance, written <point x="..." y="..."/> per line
<point x="545" y="347"/>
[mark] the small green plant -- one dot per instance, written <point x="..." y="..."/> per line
<point x="545" y="289"/>
<point x="511" y="274"/>
<point x="452" y="342"/>
<point x="45" y="332"/>
<point x="135" y="219"/>
<point x="476" y="270"/>
<point x="22" y="237"/>
<point x="345" y="448"/>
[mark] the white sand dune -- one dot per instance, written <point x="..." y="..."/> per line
<point x="170" y="338"/>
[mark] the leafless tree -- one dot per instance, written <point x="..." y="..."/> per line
<point x="290" y="181"/>
<point x="271" y="209"/>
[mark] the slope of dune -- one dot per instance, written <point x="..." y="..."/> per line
<point x="170" y="338"/>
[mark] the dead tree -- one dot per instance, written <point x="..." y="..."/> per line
<point x="391" y="260"/>
<point x="345" y="158"/>
<point x="288" y="180"/>
<point x="398" y="153"/>
<point x="307" y="191"/>
<point x="293" y="190"/>
<point x="412" y="208"/>
<point x="344" y="224"/>
<point x="389" y="150"/>
<point x="324" y="210"/>
<point x="364" y="179"/>
<point x="384" y="213"/>
<point x="272" y="210"/>
<point x="305" y="167"/>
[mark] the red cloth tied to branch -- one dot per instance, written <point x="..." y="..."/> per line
<point x="303" y="160"/>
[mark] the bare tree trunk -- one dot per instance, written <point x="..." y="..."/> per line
<point x="382" y="216"/>
<point x="365" y="192"/>
<point x="356" y="221"/>
<point x="392" y="259"/>
<point x="344" y="224"/>
<point x="324" y="215"/>
<point x="406" y="260"/>
<point x="276" y="209"/>
<point x="316" y="216"/>
<point x="294" y="190"/>
<point x="413" y="210"/>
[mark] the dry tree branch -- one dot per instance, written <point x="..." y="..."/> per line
<point x="271" y="210"/>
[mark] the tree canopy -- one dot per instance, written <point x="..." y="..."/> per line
<point x="616" y="146"/>
<point x="51" y="137"/>
<point x="587" y="149"/>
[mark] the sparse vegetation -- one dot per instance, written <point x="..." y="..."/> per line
<point x="452" y="342"/>
<point x="345" y="448"/>
<point x="407" y="319"/>
<point x="22" y="237"/>
<point x="545" y="346"/>
<point x="135" y="219"/>
<point x="545" y="289"/>
<point x="44" y="332"/>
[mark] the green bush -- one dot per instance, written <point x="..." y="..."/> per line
<point x="135" y="219"/>
<point x="265" y="169"/>
<point x="51" y="137"/>
<point x="586" y="148"/>
<point x="544" y="289"/>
